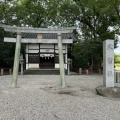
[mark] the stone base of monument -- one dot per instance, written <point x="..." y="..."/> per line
<point x="113" y="92"/>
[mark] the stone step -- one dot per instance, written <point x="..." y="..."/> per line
<point x="43" y="72"/>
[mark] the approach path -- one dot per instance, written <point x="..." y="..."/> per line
<point x="37" y="98"/>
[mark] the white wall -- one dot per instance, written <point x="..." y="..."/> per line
<point x="33" y="46"/>
<point x="47" y="50"/>
<point x="33" y="65"/>
<point x="46" y="46"/>
<point x="56" y="46"/>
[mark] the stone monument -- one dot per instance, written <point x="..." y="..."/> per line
<point x="108" y="63"/>
<point x="108" y="89"/>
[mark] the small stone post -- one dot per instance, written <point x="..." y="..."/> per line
<point x="22" y="69"/>
<point x="108" y="63"/>
<point x="115" y="79"/>
<point x="86" y="72"/>
<point x="68" y="62"/>
<point x="2" y="72"/>
<point x="10" y="71"/>
<point x="100" y="71"/>
<point x="80" y="71"/>
<point x="16" y="60"/>
<point x="118" y="77"/>
<point x="61" y="61"/>
<point x="68" y="69"/>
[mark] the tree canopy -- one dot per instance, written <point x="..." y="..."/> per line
<point x="96" y="21"/>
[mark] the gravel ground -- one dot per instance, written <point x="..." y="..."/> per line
<point x="38" y="97"/>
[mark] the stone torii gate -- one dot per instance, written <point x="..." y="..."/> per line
<point x="20" y="30"/>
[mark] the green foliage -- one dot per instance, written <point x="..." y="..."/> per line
<point x="93" y="19"/>
<point x="7" y="54"/>
<point x="19" y="13"/>
<point x="80" y="58"/>
<point x="30" y="13"/>
<point x="117" y="65"/>
<point x="116" y="58"/>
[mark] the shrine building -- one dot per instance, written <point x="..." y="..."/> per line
<point x="42" y="48"/>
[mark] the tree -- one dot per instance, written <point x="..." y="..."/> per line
<point x="94" y="20"/>
<point x="7" y="16"/>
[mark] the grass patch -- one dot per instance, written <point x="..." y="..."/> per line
<point x="117" y="65"/>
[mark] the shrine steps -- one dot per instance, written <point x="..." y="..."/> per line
<point x="42" y="72"/>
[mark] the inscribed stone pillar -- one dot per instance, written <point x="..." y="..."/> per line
<point x="108" y="63"/>
<point x="16" y="60"/>
<point x="61" y="61"/>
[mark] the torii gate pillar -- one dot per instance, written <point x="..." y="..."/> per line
<point x="16" y="61"/>
<point x="61" y="61"/>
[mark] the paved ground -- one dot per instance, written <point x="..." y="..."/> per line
<point x="38" y="97"/>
